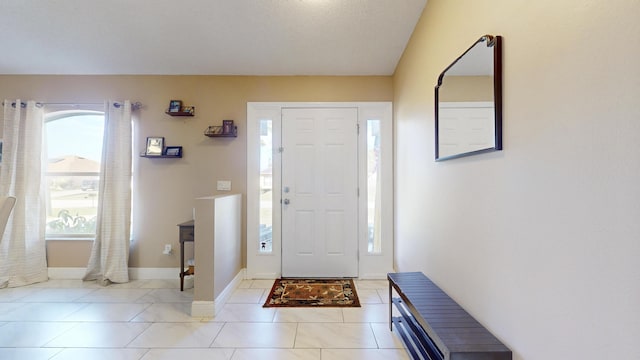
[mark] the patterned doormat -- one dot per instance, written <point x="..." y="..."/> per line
<point x="313" y="293"/>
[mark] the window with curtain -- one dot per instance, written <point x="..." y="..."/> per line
<point x="73" y="150"/>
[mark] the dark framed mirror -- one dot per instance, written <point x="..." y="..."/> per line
<point x="468" y="106"/>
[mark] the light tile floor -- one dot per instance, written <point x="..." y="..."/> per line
<point x="149" y="320"/>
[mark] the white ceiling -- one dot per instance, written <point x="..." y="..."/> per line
<point x="215" y="37"/>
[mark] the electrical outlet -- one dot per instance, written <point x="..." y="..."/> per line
<point x="224" y="185"/>
<point x="167" y="249"/>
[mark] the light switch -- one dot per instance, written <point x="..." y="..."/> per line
<point x="224" y="185"/>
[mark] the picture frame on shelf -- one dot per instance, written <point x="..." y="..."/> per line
<point x="227" y="126"/>
<point x="173" y="151"/>
<point x="175" y="106"/>
<point x="155" y="146"/>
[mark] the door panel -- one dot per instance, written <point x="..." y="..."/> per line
<point x="465" y="129"/>
<point x="304" y="232"/>
<point x="319" y="182"/>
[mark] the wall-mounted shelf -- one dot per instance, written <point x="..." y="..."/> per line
<point x="169" y="152"/>
<point x="160" y="156"/>
<point x="179" y="113"/>
<point x="176" y="109"/>
<point x="218" y="131"/>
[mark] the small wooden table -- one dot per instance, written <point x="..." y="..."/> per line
<point x="186" y="235"/>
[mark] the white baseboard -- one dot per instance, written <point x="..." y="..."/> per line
<point x="59" y="273"/>
<point x="263" y="276"/>
<point x="228" y="290"/>
<point x="77" y="273"/>
<point x="198" y="308"/>
<point x="154" y="273"/>
<point x="212" y="308"/>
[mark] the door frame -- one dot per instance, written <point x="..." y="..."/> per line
<point x="261" y="265"/>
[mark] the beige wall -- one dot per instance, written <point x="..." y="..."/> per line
<point x="165" y="189"/>
<point x="540" y="242"/>
<point x="218" y="258"/>
<point x="466" y="88"/>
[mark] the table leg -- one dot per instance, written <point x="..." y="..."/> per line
<point x="181" y="265"/>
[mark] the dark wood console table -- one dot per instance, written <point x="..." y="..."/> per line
<point x="434" y="327"/>
<point x="186" y="235"/>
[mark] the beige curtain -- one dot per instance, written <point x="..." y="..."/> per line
<point x="110" y="253"/>
<point x="22" y="250"/>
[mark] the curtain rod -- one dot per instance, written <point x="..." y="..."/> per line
<point x="134" y="105"/>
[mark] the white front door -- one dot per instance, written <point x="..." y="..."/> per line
<point x="319" y="192"/>
<point x="465" y="127"/>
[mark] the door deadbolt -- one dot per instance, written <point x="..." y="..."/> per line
<point x="285" y="201"/>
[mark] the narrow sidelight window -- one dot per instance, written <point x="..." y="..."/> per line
<point x="373" y="186"/>
<point x="266" y="187"/>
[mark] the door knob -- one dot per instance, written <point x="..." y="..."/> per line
<point x="286" y="201"/>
